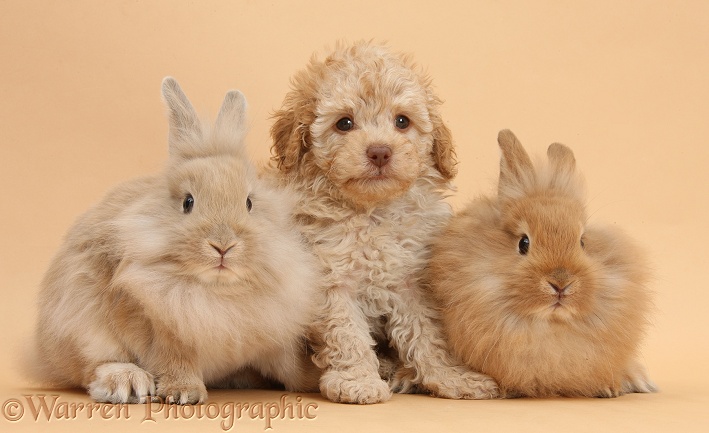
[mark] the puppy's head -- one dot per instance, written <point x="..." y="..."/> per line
<point x="367" y="120"/>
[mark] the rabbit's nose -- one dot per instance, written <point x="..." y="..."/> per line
<point x="558" y="287"/>
<point x="379" y="155"/>
<point x="222" y="250"/>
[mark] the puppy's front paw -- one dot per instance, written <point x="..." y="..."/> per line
<point x="461" y="383"/>
<point x="344" y="387"/>
<point x="403" y="382"/>
<point x="120" y="382"/>
<point x="181" y="391"/>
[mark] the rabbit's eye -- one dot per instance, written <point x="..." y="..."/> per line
<point x="402" y="122"/>
<point x="249" y="205"/>
<point x="188" y="203"/>
<point x="524" y="245"/>
<point x="583" y="244"/>
<point x="344" y="124"/>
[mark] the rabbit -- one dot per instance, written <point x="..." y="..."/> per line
<point x="535" y="297"/>
<point x="181" y="280"/>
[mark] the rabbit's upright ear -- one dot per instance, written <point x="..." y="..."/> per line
<point x="563" y="175"/>
<point x="231" y="120"/>
<point x="516" y="168"/>
<point x="184" y="123"/>
<point x="561" y="158"/>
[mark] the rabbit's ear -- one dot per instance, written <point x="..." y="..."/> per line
<point x="563" y="170"/>
<point x="233" y="109"/>
<point x="516" y="168"/>
<point x="561" y="158"/>
<point x="231" y="120"/>
<point x="184" y="123"/>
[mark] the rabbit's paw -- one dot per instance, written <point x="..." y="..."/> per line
<point x="461" y="383"/>
<point x="176" y="391"/>
<point x="637" y="381"/>
<point x="181" y="390"/>
<point x="344" y="387"/>
<point x="119" y="382"/>
<point x="610" y="392"/>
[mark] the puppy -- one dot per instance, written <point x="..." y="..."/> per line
<point x="360" y="136"/>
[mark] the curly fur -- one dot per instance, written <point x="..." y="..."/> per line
<point x="372" y="226"/>
<point x="500" y="310"/>
<point x="139" y="302"/>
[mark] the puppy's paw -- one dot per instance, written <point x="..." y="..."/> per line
<point x="344" y="387"/>
<point x="461" y="383"/>
<point x="119" y="382"/>
<point x="181" y="391"/>
<point x="403" y="382"/>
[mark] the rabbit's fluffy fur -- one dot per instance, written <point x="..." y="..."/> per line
<point x="151" y="294"/>
<point x="371" y="224"/>
<point x="536" y="297"/>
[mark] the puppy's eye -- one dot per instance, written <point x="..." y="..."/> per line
<point x="402" y="122"/>
<point x="524" y="245"/>
<point x="249" y="205"/>
<point x="344" y="124"/>
<point x="583" y="244"/>
<point x="188" y="203"/>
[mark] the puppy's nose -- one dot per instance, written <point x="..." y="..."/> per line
<point x="379" y="155"/>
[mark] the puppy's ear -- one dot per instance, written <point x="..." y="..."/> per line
<point x="443" y="152"/>
<point x="288" y="137"/>
<point x="291" y="130"/>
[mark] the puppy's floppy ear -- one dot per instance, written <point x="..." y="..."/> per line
<point x="291" y="130"/>
<point x="443" y="152"/>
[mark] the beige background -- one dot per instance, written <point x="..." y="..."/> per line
<point x="625" y="84"/>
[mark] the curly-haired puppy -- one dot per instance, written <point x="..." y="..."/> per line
<point x="361" y="137"/>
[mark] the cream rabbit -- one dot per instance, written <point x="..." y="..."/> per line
<point x="534" y="296"/>
<point x="181" y="279"/>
